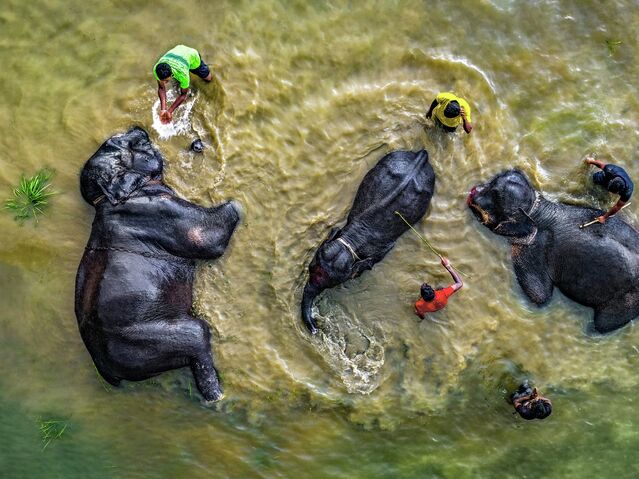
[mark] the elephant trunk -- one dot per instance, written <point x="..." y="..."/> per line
<point x="310" y="293"/>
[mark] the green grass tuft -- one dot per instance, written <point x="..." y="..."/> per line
<point x="31" y="196"/>
<point x="51" y="429"/>
<point x="613" y="46"/>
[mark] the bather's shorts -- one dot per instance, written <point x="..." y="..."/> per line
<point x="202" y="71"/>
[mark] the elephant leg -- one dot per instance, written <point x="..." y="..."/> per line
<point x="152" y="347"/>
<point x="617" y="313"/>
<point x="531" y="270"/>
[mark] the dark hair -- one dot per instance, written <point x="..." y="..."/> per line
<point x="599" y="178"/>
<point x="163" y="71"/>
<point x="427" y="292"/>
<point x="538" y="408"/>
<point x="616" y="185"/>
<point x="452" y="109"/>
<point x="541" y="408"/>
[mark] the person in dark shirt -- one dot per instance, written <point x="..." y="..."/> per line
<point x="529" y="404"/>
<point x="614" y="179"/>
<point x="434" y="300"/>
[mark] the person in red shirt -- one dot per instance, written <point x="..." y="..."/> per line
<point x="434" y="300"/>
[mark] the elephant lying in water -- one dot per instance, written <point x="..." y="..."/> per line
<point x="133" y="292"/>
<point x="597" y="267"/>
<point x="401" y="181"/>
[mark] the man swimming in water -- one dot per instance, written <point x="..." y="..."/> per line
<point x="450" y="111"/>
<point x="434" y="300"/>
<point x="178" y="63"/>
<point x="529" y="404"/>
<point x="614" y="179"/>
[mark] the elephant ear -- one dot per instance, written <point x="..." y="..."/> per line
<point x="515" y="228"/>
<point x="362" y="265"/>
<point x="121" y="186"/>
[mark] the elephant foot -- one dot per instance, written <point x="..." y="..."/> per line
<point x="238" y="209"/>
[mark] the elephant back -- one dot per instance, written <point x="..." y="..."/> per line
<point x="401" y="181"/>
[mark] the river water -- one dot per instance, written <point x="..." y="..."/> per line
<point x="307" y="97"/>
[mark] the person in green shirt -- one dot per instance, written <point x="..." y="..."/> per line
<point x="178" y="63"/>
<point x="450" y="111"/>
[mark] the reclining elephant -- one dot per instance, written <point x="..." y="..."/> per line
<point x="597" y="267"/>
<point x="133" y="292"/>
<point x="401" y="181"/>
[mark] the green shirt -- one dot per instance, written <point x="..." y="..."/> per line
<point x="181" y="59"/>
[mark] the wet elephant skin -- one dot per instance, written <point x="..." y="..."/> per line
<point x="401" y="181"/>
<point x="134" y="284"/>
<point x="596" y="266"/>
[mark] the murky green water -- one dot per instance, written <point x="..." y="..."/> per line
<point x="308" y="96"/>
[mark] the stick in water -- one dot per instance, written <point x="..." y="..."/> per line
<point x="590" y="223"/>
<point x="426" y="241"/>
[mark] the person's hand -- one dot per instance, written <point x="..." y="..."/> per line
<point x="462" y="112"/>
<point x="445" y="261"/>
<point x="589" y="160"/>
<point x="601" y="219"/>
<point x="166" y="116"/>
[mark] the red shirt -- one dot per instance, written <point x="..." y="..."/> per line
<point x="441" y="299"/>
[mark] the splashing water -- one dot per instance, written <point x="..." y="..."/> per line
<point x="355" y="353"/>
<point x="181" y="123"/>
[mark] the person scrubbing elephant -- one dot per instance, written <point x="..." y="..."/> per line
<point x="615" y="179"/>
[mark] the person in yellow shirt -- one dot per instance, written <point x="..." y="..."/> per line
<point x="450" y="111"/>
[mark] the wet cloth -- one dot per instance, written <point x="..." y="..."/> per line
<point x="440" y="301"/>
<point x="443" y="99"/>
<point x="181" y="59"/>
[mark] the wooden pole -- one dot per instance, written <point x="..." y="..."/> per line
<point x="427" y="243"/>
<point x="590" y="223"/>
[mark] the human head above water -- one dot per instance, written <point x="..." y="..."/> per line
<point x="452" y="110"/>
<point x="615" y="185"/>
<point x="537" y="408"/>
<point x="427" y="292"/>
<point x="163" y="71"/>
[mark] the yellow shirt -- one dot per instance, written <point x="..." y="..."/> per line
<point x="443" y="99"/>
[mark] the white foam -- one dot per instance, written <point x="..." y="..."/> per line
<point x="181" y="123"/>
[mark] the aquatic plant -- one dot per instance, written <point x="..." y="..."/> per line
<point x="613" y="46"/>
<point x="51" y="429"/>
<point x="31" y="196"/>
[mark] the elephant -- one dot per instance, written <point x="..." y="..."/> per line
<point x="134" y="285"/>
<point x="401" y="181"/>
<point x="597" y="267"/>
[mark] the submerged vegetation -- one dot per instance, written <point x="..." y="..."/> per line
<point x="613" y="46"/>
<point x="51" y="429"/>
<point x="31" y="196"/>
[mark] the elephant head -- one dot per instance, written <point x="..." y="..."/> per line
<point x="123" y="164"/>
<point x="504" y="204"/>
<point x="333" y="264"/>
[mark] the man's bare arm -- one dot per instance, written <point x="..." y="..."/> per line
<point x="178" y="101"/>
<point x="456" y="277"/>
